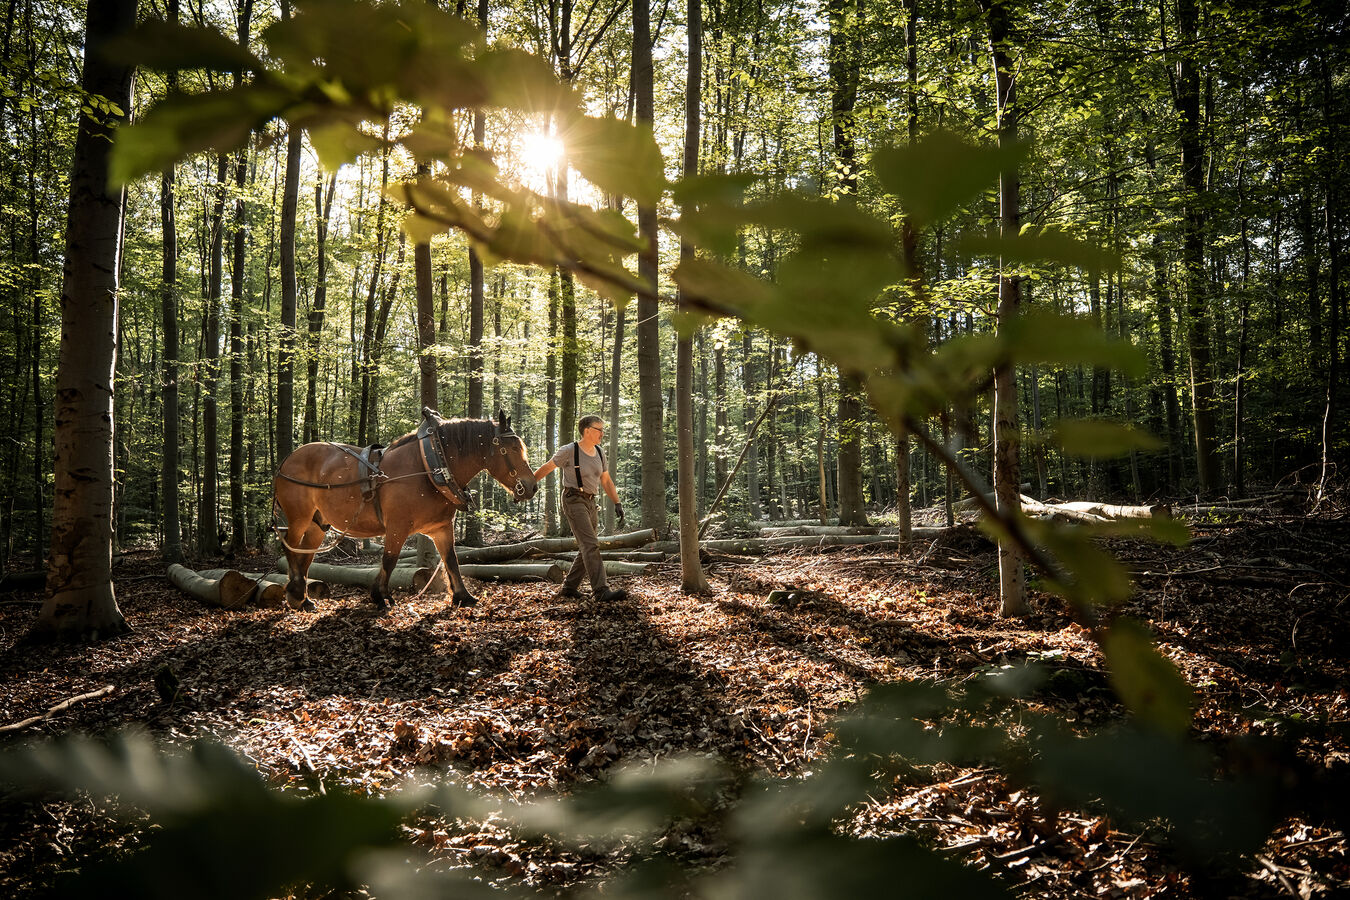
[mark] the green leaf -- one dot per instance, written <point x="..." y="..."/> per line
<point x="1144" y="776"/>
<point x="1036" y="244"/>
<point x="1042" y="336"/>
<point x="1100" y="438"/>
<point x="338" y="143"/>
<point x="182" y="124"/>
<point x="939" y="173"/>
<point x="616" y="157"/>
<point x="158" y="45"/>
<point x="1147" y="682"/>
<point x="420" y="229"/>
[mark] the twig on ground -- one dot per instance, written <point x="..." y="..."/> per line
<point x="60" y="707"/>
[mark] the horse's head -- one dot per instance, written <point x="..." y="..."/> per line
<point x="507" y="463"/>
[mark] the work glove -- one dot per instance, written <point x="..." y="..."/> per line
<point x="618" y="514"/>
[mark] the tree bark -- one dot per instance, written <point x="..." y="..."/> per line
<point x="79" y="600"/>
<point x="290" y="196"/>
<point x="172" y="549"/>
<point x="648" y="327"/>
<point x="323" y="211"/>
<point x="1193" y="244"/>
<point x="1007" y="440"/>
<point x="693" y="580"/>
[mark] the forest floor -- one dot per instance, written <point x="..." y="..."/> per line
<point x="527" y="694"/>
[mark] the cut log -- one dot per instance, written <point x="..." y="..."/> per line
<point x="268" y="598"/>
<point x="1081" y="510"/>
<point x="232" y="590"/>
<point x="805" y="530"/>
<point x="618" y="567"/>
<point x="764" y="546"/>
<point x="515" y="571"/>
<point x="504" y="552"/>
<point x="642" y="556"/>
<point x="403" y="577"/>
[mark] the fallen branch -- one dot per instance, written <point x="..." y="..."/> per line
<point x="60" y="707"/>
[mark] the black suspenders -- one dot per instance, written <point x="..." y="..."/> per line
<point x="576" y="463"/>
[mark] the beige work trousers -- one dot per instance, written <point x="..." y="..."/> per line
<point x="584" y="517"/>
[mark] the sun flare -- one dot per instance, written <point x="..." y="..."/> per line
<point x="540" y="153"/>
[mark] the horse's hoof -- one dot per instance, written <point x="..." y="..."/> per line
<point x="466" y="600"/>
<point x="308" y="606"/>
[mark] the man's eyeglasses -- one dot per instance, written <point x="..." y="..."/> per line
<point x="596" y="428"/>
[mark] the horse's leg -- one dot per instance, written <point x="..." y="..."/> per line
<point x="445" y="545"/>
<point x="393" y="545"/>
<point x="306" y="537"/>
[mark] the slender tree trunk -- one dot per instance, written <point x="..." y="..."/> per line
<point x="1197" y="311"/>
<point x="323" y="210"/>
<point x="824" y="497"/>
<point x="752" y="457"/>
<point x="692" y="577"/>
<point x="238" y="535"/>
<point x="79" y="599"/>
<point x="551" y="524"/>
<point x="617" y="368"/>
<point x="238" y="527"/>
<point x="1007" y="440"/>
<point x="844" y="68"/>
<point x="172" y="550"/>
<point x="208" y="519"/>
<point x="648" y="327"/>
<point x="290" y="197"/>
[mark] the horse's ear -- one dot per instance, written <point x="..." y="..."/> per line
<point x="503" y="421"/>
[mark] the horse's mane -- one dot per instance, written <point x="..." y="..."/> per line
<point x="461" y="437"/>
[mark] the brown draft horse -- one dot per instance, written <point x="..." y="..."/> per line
<point x="323" y="485"/>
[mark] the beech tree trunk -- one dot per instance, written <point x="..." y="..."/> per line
<point x="172" y="549"/>
<point x="1007" y="440"/>
<point x="323" y="211"/>
<point x="648" y="328"/>
<point x="79" y="600"/>
<point x="290" y="196"/>
<point x="692" y="578"/>
<point x="1193" y="251"/>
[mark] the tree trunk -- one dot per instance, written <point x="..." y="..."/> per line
<point x="208" y="518"/>
<point x="79" y="600"/>
<point x="290" y="196"/>
<point x="172" y="550"/>
<point x="648" y="327"/>
<point x="238" y="533"/>
<point x="1197" y="311"/>
<point x="323" y="210"/>
<point x="551" y="526"/>
<point x="238" y="528"/>
<point x="1007" y="440"/>
<point x="844" y="70"/>
<point x="692" y="577"/>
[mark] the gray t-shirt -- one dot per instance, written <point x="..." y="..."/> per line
<point x="591" y="467"/>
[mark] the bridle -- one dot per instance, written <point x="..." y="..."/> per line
<point x="518" y="489"/>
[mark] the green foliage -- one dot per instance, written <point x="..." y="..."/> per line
<point x="1145" y="680"/>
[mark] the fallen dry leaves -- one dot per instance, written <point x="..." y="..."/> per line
<point x="527" y="694"/>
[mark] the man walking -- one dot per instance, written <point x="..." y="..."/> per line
<point x="584" y="473"/>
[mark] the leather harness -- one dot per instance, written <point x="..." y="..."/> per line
<point x="434" y="458"/>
